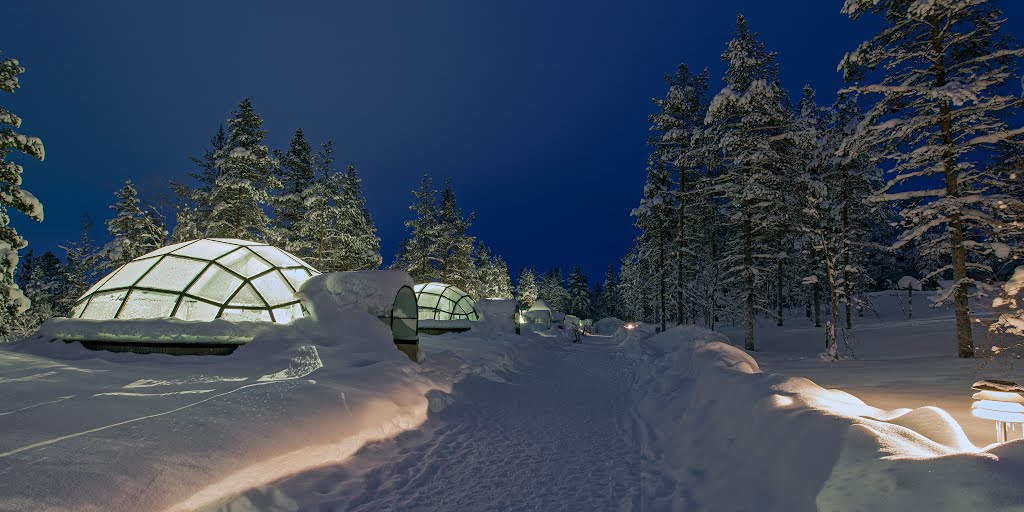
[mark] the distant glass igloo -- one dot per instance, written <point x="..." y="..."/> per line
<point x="205" y="279"/>
<point x="439" y="301"/>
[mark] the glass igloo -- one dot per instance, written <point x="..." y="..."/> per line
<point x="439" y="301"/>
<point x="205" y="279"/>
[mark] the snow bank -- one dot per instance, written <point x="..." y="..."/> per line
<point x="735" y="438"/>
<point x="608" y="325"/>
<point x="373" y="290"/>
<point x="151" y="330"/>
<point x="88" y="430"/>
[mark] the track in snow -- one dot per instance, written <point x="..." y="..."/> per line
<point x="561" y="435"/>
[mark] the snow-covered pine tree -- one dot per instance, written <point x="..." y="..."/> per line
<point x="45" y="281"/>
<point x="609" y="294"/>
<point x="295" y="175"/>
<point x="502" y="281"/>
<point x="360" y="249"/>
<point x="134" y="232"/>
<point x="456" y="246"/>
<point x="419" y="254"/>
<point x="246" y="173"/>
<point x="579" y="294"/>
<point x="83" y="261"/>
<point x="753" y="116"/>
<point x="486" y="273"/>
<point x="656" y="217"/>
<point x="526" y="288"/>
<point x="551" y="290"/>
<point x="633" y="289"/>
<point x="678" y="120"/>
<point x="193" y="207"/>
<point x="945" y="71"/>
<point x="12" y="301"/>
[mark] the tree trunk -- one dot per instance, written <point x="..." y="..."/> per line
<point x="748" y="271"/>
<point x="661" y="273"/>
<point x="964" y="341"/>
<point x="845" y="215"/>
<point x="778" y="294"/>
<point x="817" y="304"/>
<point x="680" y="243"/>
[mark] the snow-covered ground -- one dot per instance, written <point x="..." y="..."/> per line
<point x="325" y="414"/>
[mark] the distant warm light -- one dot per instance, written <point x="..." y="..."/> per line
<point x="630" y="326"/>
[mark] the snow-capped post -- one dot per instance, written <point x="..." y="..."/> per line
<point x="12" y="301"/>
<point x="1001" y="401"/>
<point x="948" y="84"/>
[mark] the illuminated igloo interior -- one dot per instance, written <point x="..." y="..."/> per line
<point x="201" y="280"/>
<point x="439" y="301"/>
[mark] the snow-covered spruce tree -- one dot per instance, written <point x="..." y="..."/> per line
<point x="526" y="288"/>
<point x="45" y="281"/>
<point x="502" y="280"/>
<point x="133" y="231"/>
<point x="295" y="175"/>
<point x="633" y="304"/>
<point x="609" y="294"/>
<point x="552" y="290"/>
<point x="943" y="98"/>
<point x="419" y="254"/>
<point x="12" y="301"/>
<point x="656" y="217"/>
<point x="361" y="245"/>
<point x="83" y="259"/>
<point x="579" y="294"/>
<point x="492" y="272"/>
<point x="246" y="173"/>
<point x="752" y="116"/>
<point x="193" y="207"/>
<point x="679" y="117"/>
<point x="456" y="246"/>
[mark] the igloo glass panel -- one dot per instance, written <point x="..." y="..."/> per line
<point x="129" y="273"/>
<point x="215" y="284"/>
<point x="147" y="304"/>
<point x="275" y="256"/>
<point x="244" y="262"/>
<point x="173" y="274"/>
<point x="428" y="300"/>
<point x="104" y="305"/>
<point x="287" y="313"/>
<point x="99" y="284"/>
<point x="247" y="296"/>
<point x="445" y="305"/>
<point x="206" y="249"/>
<point x="167" y="249"/>
<point x="296" y="276"/>
<point x="246" y="315"/>
<point x="192" y="309"/>
<point x="274" y="289"/>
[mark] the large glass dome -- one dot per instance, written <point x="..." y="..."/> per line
<point x="204" y="279"/>
<point x="438" y="301"/>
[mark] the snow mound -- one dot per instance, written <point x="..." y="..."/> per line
<point x="607" y="325"/>
<point x="374" y="291"/>
<point x="797" y="446"/>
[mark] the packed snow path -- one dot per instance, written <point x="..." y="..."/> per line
<point x="560" y="435"/>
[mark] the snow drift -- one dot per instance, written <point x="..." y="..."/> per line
<point x="85" y="430"/>
<point x="730" y="437"/>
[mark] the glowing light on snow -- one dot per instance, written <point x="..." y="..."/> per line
<point x="297" y="461"/>
<point x="630" y="326"/>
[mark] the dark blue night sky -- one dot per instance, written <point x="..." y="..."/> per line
<point x="537" y="110"/>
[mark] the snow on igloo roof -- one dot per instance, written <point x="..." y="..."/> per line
<point x="201" y="280"/>
<point x="439" y="301"/>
